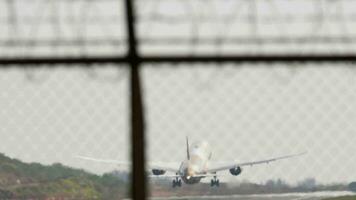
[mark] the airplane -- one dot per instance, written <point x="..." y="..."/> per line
<point x="195" y="166"/>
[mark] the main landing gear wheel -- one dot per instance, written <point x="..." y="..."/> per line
<point x="177" y="183"/>
<point x="215" y="182"/>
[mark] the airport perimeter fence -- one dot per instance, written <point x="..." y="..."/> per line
<point x="130" y="80"/>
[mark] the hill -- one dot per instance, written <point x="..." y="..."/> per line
<point x="19" y="180"/>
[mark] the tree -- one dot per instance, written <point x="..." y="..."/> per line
<point x="352" y="186"/>
<point x="308" y="183"/>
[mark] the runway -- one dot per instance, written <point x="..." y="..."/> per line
<point x="288" y="196"/>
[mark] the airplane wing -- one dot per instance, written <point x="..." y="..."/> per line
<point x="108" y="161"/>
<point x="234" y="165"/>
<point x="157" y="165"/>
<point x="178" y="175"/>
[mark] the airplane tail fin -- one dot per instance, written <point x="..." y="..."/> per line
<point x="187" y="141"/>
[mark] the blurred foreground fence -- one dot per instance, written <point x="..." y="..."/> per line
<point x="261" y="73"/>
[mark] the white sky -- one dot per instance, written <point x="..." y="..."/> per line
<point x="245" y="113"/>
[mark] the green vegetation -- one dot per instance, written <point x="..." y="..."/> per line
<point x="343" y="198"/>
<point x="20" y="180"/>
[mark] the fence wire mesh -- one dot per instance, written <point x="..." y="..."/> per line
<point x="246" y="112"/>
<point x="55" y="116"/>
<point x="250" y="113"/>
<point x="90" y="27"/>
<point x="248" y="27"/>
<point x="61" y="28"/>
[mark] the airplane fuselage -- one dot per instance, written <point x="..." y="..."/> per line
<point x="190" y="169"/>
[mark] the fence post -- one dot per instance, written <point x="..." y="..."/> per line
<point x="138" y="180"/>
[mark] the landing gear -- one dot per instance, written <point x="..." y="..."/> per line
<point x="215" y="182"/>
<point x="177" y="182"/>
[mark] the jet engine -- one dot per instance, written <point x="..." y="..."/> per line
<point x="158" y="171"/>
<point x="236" y="171"/>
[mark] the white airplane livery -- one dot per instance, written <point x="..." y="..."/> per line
<point x="195" y="166"/>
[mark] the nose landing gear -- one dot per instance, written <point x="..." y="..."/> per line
<point x="215" y="182"/>
<point x="177" y="182"/>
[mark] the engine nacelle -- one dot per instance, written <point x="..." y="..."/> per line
<point x="236" y="171"/>
<point x="158" y="172"/>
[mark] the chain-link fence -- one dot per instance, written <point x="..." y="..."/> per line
<point x="54" y="115"/>
<point x="61" y="28"/>
<point x="246" y="27"/>
<point x="247" y="111"/>
<point x="89" y="27"/>
<point x="250" y="112"/>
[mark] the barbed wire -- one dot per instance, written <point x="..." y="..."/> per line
<point x="80" y="26"/>
<point x="92" y="27"/>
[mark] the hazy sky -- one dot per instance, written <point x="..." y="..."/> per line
<point x="246" y="112"/>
